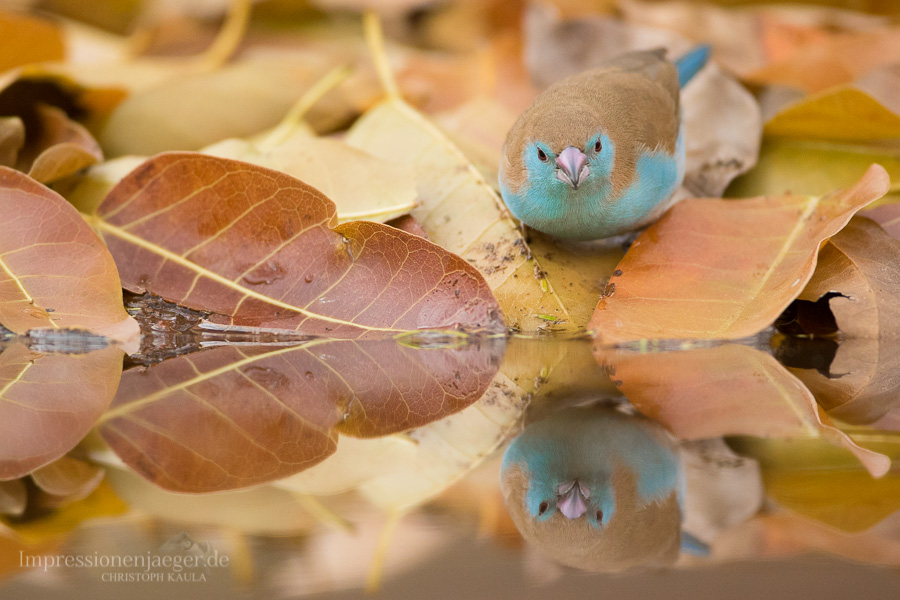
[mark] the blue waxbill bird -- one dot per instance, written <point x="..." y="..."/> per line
<point x="600" y="153"/>
<point x="597" y="489"/>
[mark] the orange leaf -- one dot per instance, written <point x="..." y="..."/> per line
<point x="724" y="269"/>
<point x="62" y="147"/>
<point x="25" y="40"/>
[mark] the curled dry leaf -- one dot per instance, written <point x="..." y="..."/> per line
<point x="54" y="271"/>
<point x="727" y="390"/>
<point x="25" y="40"/>
<point x="724" y="269"/>
<point x="13" y="497"/>
<point x="862" y="265"/>
<point x="60" y="148"/>
<point x="232" y="417"/>
<point x="48" y="403"/>
<point x="12" y="138"/>
<point x="722" y="121"/>
<point x="258" y="248"/>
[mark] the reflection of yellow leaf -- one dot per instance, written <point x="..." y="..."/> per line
<point x="807" y="476"/>
<point x="103" y="502"/>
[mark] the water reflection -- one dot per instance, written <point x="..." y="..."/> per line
<point x="597" y="489"/>
<point x="338" y="444"/>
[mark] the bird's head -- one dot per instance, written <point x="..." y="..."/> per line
<point x="561" y="149"/>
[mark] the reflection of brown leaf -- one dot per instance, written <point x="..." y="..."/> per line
<point x="49" y="402"/>
<point x="259" y="248"/>
<point x="863" y="381"/>
<point x="61" y="147"/>
<point x="727" y="390"/>
<point x="724" y="269"/>
<point x="233" y="417"/>
<point x="54" y="271"/>
<point x="68" y="478"/>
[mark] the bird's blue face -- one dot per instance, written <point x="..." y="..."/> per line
<point x="573" y="498"/>
<point x="568" y="175"/>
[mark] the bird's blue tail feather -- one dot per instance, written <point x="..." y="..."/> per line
<point x="690" y="63"/>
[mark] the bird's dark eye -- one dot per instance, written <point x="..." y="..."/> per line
<point x="599" y="512"/>
<point x="542" y="155"/>
<point x="543" y="508"/>
<point x="598" y="146"/>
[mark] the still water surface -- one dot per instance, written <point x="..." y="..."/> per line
<point x="500" y="468"/>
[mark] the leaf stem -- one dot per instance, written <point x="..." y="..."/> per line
<point x="375" y="40"/>
<point x="229" y="36"/>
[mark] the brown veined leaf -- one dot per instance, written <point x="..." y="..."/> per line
<point x="258" y="248"/>
<point x="49" y="402"/>
<point x="54" y="271"/>
<point x="60" y="148"/>
<point x="727" y="390"/>
<point x="724" y="269"/>
<point x="25" y="40"/>
<point x="12" y="138"/>
<point x="232" y="417"/>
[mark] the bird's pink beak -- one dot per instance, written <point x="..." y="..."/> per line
<point x="572" y="167"/>
<point x="572" y="498"/>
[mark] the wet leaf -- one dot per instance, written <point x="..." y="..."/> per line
<point x="61" y="147"/>
<point x="860" y="264"/>
<point x="49" y="402"/>
<point x="361" y="185"/>
<point x="69" y="478"/>
<point x="233" y="417"/>
<point x="12" y="138"/>
<point x="259" y="248"/>
<point x="724" y="269"/>
<point x="722" y="121"/>
<point x="727" y="390"/>
<point x="25" y="40"/>
<point x="54" y="271"/>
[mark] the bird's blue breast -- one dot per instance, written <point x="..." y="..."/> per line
<point x="592" y="212"/>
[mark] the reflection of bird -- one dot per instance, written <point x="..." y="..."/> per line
<point x="597" y="489"/>
<point x="600" y="153"/>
